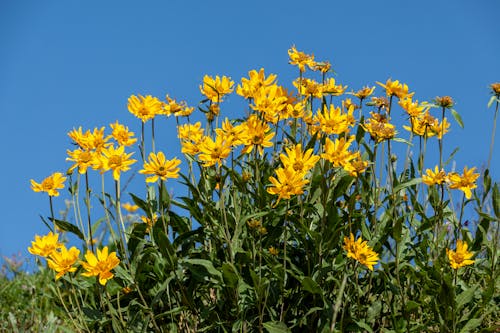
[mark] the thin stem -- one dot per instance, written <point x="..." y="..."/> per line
<point x="87" y="203"/>
<point x="493" y="136"/>
<point x="52" y="212"/>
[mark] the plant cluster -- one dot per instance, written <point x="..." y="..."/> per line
<point x="297" y="216"/>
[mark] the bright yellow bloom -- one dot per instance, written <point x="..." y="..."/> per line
<point x="62" y="261"/>
<point x="144" y="107"/>
<point x="356" y="165"/>
<point x="379" y="127"/>
<point x="159" y="167"/>
<point x="122" y="135"/>
<point x="43" y="246"/>
<point x="51" y="184"/>
<point x="422" y="125"/>
<point x="333" y="121"/>
<point x="289" y="183"/>
<point x="413" y="109"/>
<point x="150" y="221"/>
<point x="80" y="138"/>
<point x="97" y="141"/>
<point x="301" y="59"/>
<point x="177" y="109"/>
<point x="394" y="88"/>
<point x="461" y="257"/>
<point x="330" y="88"/>
<point x="215" y="89"/>
<point x="256" y="135"/>
<point x="309" y="87"/>
<point x="213" y="152"/>
<point x="270" y="102"/>
<point x="298" y="160"/>
<point x="324" y="67"/>
<point x="129" y="207"/>
<point x="465" y="182"/>
<point x="230" y="133"/>
<point x="439" y="129"/>
<point x="296" y="110"/>
<point x="192" y="132"/>
<point x="434" y="177"/>
<point x="360" y="251"/>
<point x="364" y="92"/>
<point x="101" y="265"/>
<point x="256" y="80"/>
<point x="337" y="152"/>
<point x="83" y="159"/>
<point x="113" y="159"/>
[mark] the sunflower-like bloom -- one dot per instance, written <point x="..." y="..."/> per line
<point x="439" y="129"/>
<point x="178" y="109"/>
<point x="215" y="89"/>
<point x="300" y="59"/>
<point x="270" y="102"/>
<point x="101" y="265"/>
<point x="122" y="135"/>
<point x="97" y="141"/>
<point x="230" y="133"/>
<point x="256" y="134"/>
<point x="289" y="183"/>
<point x="333" y="121"/>
<point x="256" y="80"/>
<point x="465" y="182"/>
<point x="192" y="132"/>
<point x="394" y="88"/>
<point x="144" y="107"/>
<point x="364" y="92"/>
<point x="80" y="138"/>
<point x="360" y="251"/>
<point x="299" y="160"/>
<point x="159" y="167"/>
<point x="51" y="184"/>
<point x="150" y="222"/>
<point x="460" y="257"/>
<point x="330" y="88"/>
<point x="413" y="109"/>
<point x="296" y="110"/>
<point x="115" y="159"/>
<point x="435" y="177"/>
<point x="422" y="125"/>
<point x="323" y="67"/>
<point x="129" y="207"/>
<point x="213" y="152"/>
<point x="379" y="127"/>
<point x="62" y="261"/>
<point x="43" y="246"/>
<point x="356" y="166"/>
<point x="83" y="159"/>
<point x="309" y="87"/>
<point x="337" y="152"/>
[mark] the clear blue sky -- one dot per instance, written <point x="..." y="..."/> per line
<point x="65" y="64"/>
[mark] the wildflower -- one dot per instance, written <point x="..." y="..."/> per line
<point x="97" y="141"/>
<point x="177" y="109"/>
<point x="360" y="251"/>
<point x="192" y="132"/>
<point x="51" y="184"/>
<point x="299" y="160"/>
<point x="213" y="152"/>
<point x="43" y="246"/>
<point x="422" y="124"/>
<point x="333" y="121"/>
<point x="122" y="135"/>
<point x="461" y="257"/>
<point x="439" y="129"/>
<point x="381" y="103"/>
<point x="295" y="110"/>
<point x="79" y="138"/>
<point x="394" y="88"/>
<point x="62" y="261"/>
<point x="230" y="133"/>
<point x="301" y="59"/>
<point x="270" y="102"/>
<point x="273" y="251"/>
<point x="113" y="159"/>
<point x="379" y="127"/>
<point x="356" y="165"/>
<point x="129" y="207"/>
<point x="101" y="265"/>
<point x="215" y="89"/>
<point x="337" y="152"/>
<point x="144" y="107"/>
<point x="150" y="221"/>
<point x="434" y="177"/>
<point x="256" y="135"/>
<point x="159" y="167"/>
<point x="364" y="92"/>
<point x="254" y="223"/>
<point x="444" y="102"/>
<point x="495" y="89"/>
<point x="256" y="80"/>
<point x="83" y="159"/>
<point x="464" y="182"/>
<point x="289" y="183"/>
<point x="309" y="87"/>
<point x="330" y="88"/>
<point x="413" y="109"/>
<point x="324" y="67"/>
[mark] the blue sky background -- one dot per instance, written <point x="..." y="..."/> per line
<point x="65" y="64"/>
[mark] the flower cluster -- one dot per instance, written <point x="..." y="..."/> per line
<point x="465" y="182"/>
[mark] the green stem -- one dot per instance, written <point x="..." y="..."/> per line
<point x="87" y="204"/>
<point x="493" y="136"/>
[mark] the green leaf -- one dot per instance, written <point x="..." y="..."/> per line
<point x="457" y="117"/>
<point x="465" y="297"/>
<point x="207" y="264"/>
<point x="139" y="202"/>
<point x="492" y="99"/>
<point x="496" y="200"/>
<point x="308" y="284"/>
<point x="276" y="327"/>
<point x="66" y="226"/>
<point x="230" y="274"/>
<point x="363" y="325"/>
<point x="402" y="141"/>
<point x="471" y="325"/>
<point x="409" y="183"/>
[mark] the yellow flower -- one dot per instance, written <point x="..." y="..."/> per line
<point x="394" y="88"/>
<point x="270" y="102"/>
<point x="83" y="159"/>
<point x="301" y="59"/>
<point x="256" y="135"/>
<point x="356" y="165"/>
<point x="379" y="127"/>
<point x="101" y="265"/>
<point x="213" y="152"/>
<point x="360" y="251"/>
<point x="461" y="257"/>
<point x="51" y="184"/>
<point x="192" y="132"/>
<point x="113" y="159"/>
<point x="215" y="89"/>
<point x="413" y="109"/>
<point x="144" y="107"/>
<point x="434" y="177"/>
<point x="80" y="138"/>
<point x="364" y="92"/>
<point x="464" y="182"/>
<point x="150" y="221"/>
<point x="333" y="121"/>
<point x="330" y="88"/>
<point x="129" y="207"/>
<point x="43" y="246"/>
<point x="495" y="89"/>
<point x="298" y="160"/>
<point x="62" y="261"/>
<point x="159" y="167"/>
<point x="439" y="129"/>
<point x="337" y="152"/>
<point x="309" y="87"/>
<point x="122" y="135"/>
<point x="256" y="80"/>
<point x="296" y="110"/>
<point x="422" y="124"/>
<point x="96" y="140"/>
<point x="289" y="183"/>
<point x="273" y="251"/>
<point x="230" y="133"/>
<point x="324" y="67"/>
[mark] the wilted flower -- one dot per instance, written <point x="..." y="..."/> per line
<point x="444" y="102"/>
